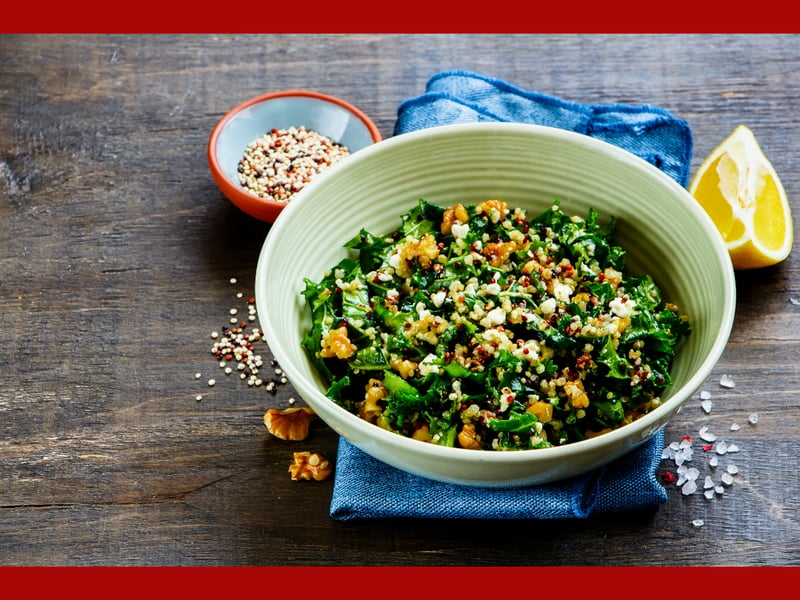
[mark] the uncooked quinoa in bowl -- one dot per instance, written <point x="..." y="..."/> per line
<point x="266" y="149"/>
<point x="596" y="304"/>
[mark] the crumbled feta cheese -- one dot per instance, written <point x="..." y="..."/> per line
<point x="395" y="260"/>
<point x="492" y="289"/>
<point x="548" y="307"/>
<point x="460" y="230"/>
<point x="422" y="310"/>
<point x="562" y="292"/>
<point x="622" y="307"/>
<point x="506" y="398"/>
<point x="426" y="366"/>
<point x="438" y="298"/>
<point x="494" y="317"/>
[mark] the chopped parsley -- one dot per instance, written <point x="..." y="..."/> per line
<point x="478" y="327"/>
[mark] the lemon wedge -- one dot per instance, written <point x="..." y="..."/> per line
<point x="741" y="192"/>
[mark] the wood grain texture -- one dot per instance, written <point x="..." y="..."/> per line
<point x="116" y="254"/>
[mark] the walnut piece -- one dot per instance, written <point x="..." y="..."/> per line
<point x="469" y="438"/>
<point x="289" y="423"/>
<point x="310" y="465"/>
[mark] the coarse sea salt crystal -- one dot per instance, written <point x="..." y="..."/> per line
<point x="734" y="427"/>
<point x="727" y="382"/>
<point x="753" y="418"/>
<point x="708" y="482"/>
<point x="732" y="469"/>
<point x="686" y="474"/>
<point x="683" y="455"/>
<point x="698" y="522"/>
<point x="722" y="447"/>
<point x="713" y="461"/>
<point x="706" y="406"/>
<point x="733" y="448"/>
<point x="689" y="488"/>
<point x="705" y="395"/>
<point x="719" y="490"/>
<point x="706" y="435"/>
<point x="709" y="494"/>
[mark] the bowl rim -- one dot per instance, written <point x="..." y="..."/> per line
<point x="643" y="428"/>
<point x="229" y="187"/>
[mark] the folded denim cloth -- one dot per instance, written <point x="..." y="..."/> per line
<point x="365" y="488"/>
<point x="649" y="132"/>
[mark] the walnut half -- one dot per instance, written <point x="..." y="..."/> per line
<point x="310" y="465"/>
<point x="289" y="423"/>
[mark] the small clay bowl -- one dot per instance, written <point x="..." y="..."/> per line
<point x="342" y="122"/>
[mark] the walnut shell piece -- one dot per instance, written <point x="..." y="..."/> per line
<point x="310" y="465"/>
<point x="289" y="423"/>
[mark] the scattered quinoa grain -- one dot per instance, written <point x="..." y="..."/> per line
<point x="235" y="348"/>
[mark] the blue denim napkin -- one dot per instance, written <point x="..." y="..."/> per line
<point x="649" y="132"/>
<point x="365" y="488"/>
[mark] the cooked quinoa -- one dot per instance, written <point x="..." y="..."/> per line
<point x="477" y="327"/>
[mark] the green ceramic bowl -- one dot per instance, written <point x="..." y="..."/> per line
<point x="662" y="228"/>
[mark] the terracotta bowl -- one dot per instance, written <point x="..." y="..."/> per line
<point x="330" y="116"/>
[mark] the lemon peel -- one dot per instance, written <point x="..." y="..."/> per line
<point x="741" y="192"/>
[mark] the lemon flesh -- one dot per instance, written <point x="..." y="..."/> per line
<point x="740" y="191"/>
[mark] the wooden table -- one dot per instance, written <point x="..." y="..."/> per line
<point x="117" y="253"/>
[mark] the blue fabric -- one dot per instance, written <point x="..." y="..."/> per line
<point x="365" y="488"/>
<point x="650" y="132"/>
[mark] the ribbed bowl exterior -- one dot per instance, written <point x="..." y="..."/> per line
<point x="663" y="230"/>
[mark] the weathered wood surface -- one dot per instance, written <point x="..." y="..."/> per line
<point x="116" y="254"/>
